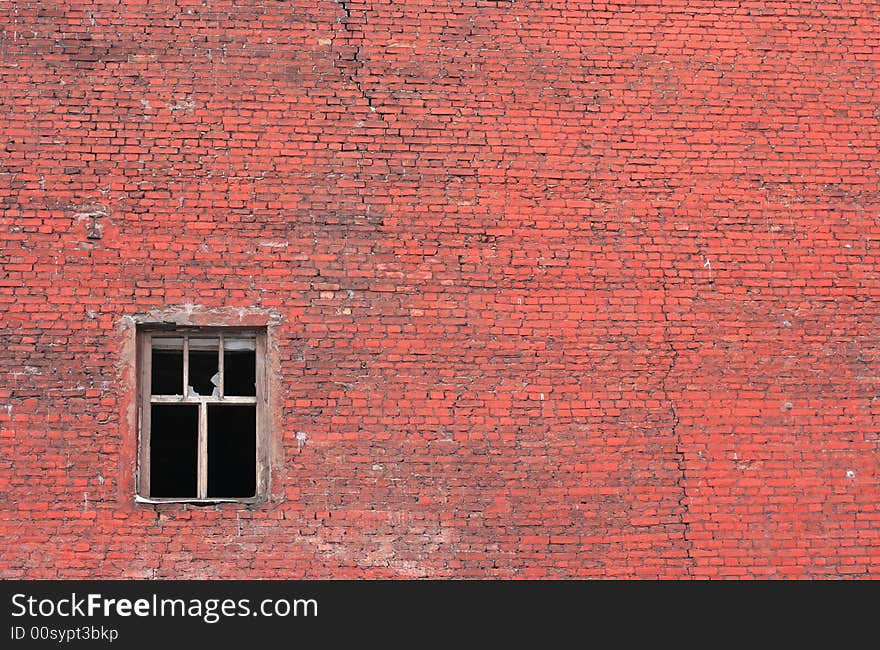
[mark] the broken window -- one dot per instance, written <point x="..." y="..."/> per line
<point x="202" y="405"/>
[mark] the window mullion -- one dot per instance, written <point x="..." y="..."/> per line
<point x="202" y="463"/>
<point x="220" y="368"/>
<point x="185" y="366"/>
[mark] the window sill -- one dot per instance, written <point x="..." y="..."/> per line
<point x="199" y="502"/>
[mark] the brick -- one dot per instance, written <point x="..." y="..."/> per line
<point x="590" y="292"/>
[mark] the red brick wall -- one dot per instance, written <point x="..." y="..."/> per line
<point x="562" y="289"/>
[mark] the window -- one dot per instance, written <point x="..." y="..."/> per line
<point x="202" y="415"/>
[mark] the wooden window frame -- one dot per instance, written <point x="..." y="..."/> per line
<point x="145" y="336"/>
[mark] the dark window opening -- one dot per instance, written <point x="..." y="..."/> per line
<point x="239" y="367"/>
<point x="174" y="439"/>
<point x="166" y="371"/>
<point x="232" y="450"/>
<point x="203" y="366"/>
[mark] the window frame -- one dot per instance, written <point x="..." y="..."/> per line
<point x="145" y="398"/>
